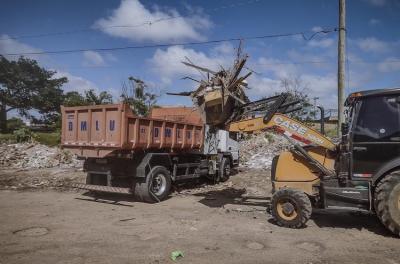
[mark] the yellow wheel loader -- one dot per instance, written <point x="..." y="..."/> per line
<point x="361" y="172"/>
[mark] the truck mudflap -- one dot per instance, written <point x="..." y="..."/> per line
<point x="102" y="188"/>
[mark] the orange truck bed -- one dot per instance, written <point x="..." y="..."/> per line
<point x="103" y="130"/>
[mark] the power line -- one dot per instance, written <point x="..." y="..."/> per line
<point x="101" y="67"/>
<point x="327" y="62"/>
<point x="144" y="23"/>
<point x="174" y="44"/>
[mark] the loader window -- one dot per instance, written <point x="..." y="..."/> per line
<point x="378" y="120"/>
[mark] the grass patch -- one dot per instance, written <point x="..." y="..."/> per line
<point x="46" y="138"/>
<point x="50" y="139"/>
<point x="7" y="138"/>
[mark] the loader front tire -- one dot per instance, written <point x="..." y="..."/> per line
<point x="387" y="202"/>
<point x="290" y="208"/>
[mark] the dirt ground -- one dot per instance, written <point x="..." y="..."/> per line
<point x="43" y="221"/>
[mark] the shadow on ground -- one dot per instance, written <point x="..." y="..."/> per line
<point x="328" y="218"/>
<point x="229" y="195"/>
<point x="108" y="198"/>
<point x="349" y="219"/>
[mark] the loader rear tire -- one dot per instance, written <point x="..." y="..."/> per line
<point x="290" y="208"/>
<point x="387" y="202"/>
<point x="155" y="187"/>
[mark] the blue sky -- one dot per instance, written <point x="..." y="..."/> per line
<point x="373" y="42"/>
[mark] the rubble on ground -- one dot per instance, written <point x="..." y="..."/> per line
<point x="258" y="150"/>
<point x="34" y="155"/>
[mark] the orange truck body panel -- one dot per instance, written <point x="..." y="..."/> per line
<point x="178" y="114"/>
<point x="101" y="130"/>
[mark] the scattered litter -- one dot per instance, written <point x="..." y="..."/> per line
<point x="32" y="231"/>
<point x="176" y="254"/>
<point x="127" y="219"/>
<point x="258" y="150"/>
<point x="36" y="156"/>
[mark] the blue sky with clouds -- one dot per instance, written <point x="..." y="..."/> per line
<point x="373" y="42"/>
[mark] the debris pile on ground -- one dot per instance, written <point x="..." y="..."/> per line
<point x="258" y="150"/>
<point x="34" y="155"/>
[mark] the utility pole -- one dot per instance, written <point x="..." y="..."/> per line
<point x="341" y="63"/>
<point x="315" y="107"/>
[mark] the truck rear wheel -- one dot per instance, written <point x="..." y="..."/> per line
<point x="290" y="208"/>
<point x="224" y="171"/>
<point x="155" y="187"/>
<point x="387" y="202"/>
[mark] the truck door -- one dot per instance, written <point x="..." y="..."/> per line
<point x="376" y="135"/>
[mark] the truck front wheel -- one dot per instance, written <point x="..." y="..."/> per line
<point x="290" y="208"/>
<point x="224" y="171"/>
<point x="387" y="202"/>
<point x="155" y="187"/>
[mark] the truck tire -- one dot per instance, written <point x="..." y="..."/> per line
<point x="224" y="171"/>
<point x="155" y="187"/>
<point x="387" y="202"/>
<point x="290" y="208"/>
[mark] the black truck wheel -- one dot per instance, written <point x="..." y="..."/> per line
<point x="290" y="208"/>
<point x="155" y="187"/>
<point x="387" y="202"/>
<point x="224" y="171"/>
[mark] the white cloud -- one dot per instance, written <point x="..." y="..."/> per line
<point x="373" y="45"/>
<point x="374" y="21"/>
<point x="12" y="46"/>
<point x="316" y="29"/>
<point x="391" y="64"/>
<point x="323" y="43"/>
<point x="379" y="3"/>
<point x="132" y="12"/>
<point x="92" y="58"/>
<point x="322" y="86"/>
<point x="168" y="63"/>
<point x="261" y="86"/>
<point x="76" y="83"/>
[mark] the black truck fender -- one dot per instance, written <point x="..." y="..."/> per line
<point x="151" y="160"/>
<point x="384" y="169"/>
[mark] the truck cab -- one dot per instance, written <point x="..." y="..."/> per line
<point x="372" y="133"/>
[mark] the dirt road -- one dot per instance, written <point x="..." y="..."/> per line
<point x="217" y="224"/>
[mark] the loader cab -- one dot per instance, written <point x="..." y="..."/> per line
<point x="373" y="131"/>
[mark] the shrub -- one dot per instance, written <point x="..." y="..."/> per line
<point x="50" y="139"/>
<point x="7" y="138"/>
<point x="14" y="124"/>
<point x="23" y="135"/>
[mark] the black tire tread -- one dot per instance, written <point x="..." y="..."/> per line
<point x="221" y="172"/>
<point x="141" y="188"/>
<point x="303" y="202"/>
<point x="381" y="205"/>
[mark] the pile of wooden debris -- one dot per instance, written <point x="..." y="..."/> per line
<point x="221" y="93"/>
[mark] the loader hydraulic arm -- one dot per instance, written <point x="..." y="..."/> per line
<point x="283" y="124"/>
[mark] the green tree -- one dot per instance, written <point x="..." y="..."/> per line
<point x="25" y="86"/>
<point x="74" y="99"/>
<point x="91" y="98"/>
<point x="14" y="123"/>
<point x="139" y="96"/>
<point x="102" y="98"/>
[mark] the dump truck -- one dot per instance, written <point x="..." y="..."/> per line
<point x="362" y="171"/>
<point x="125" y="153"/>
